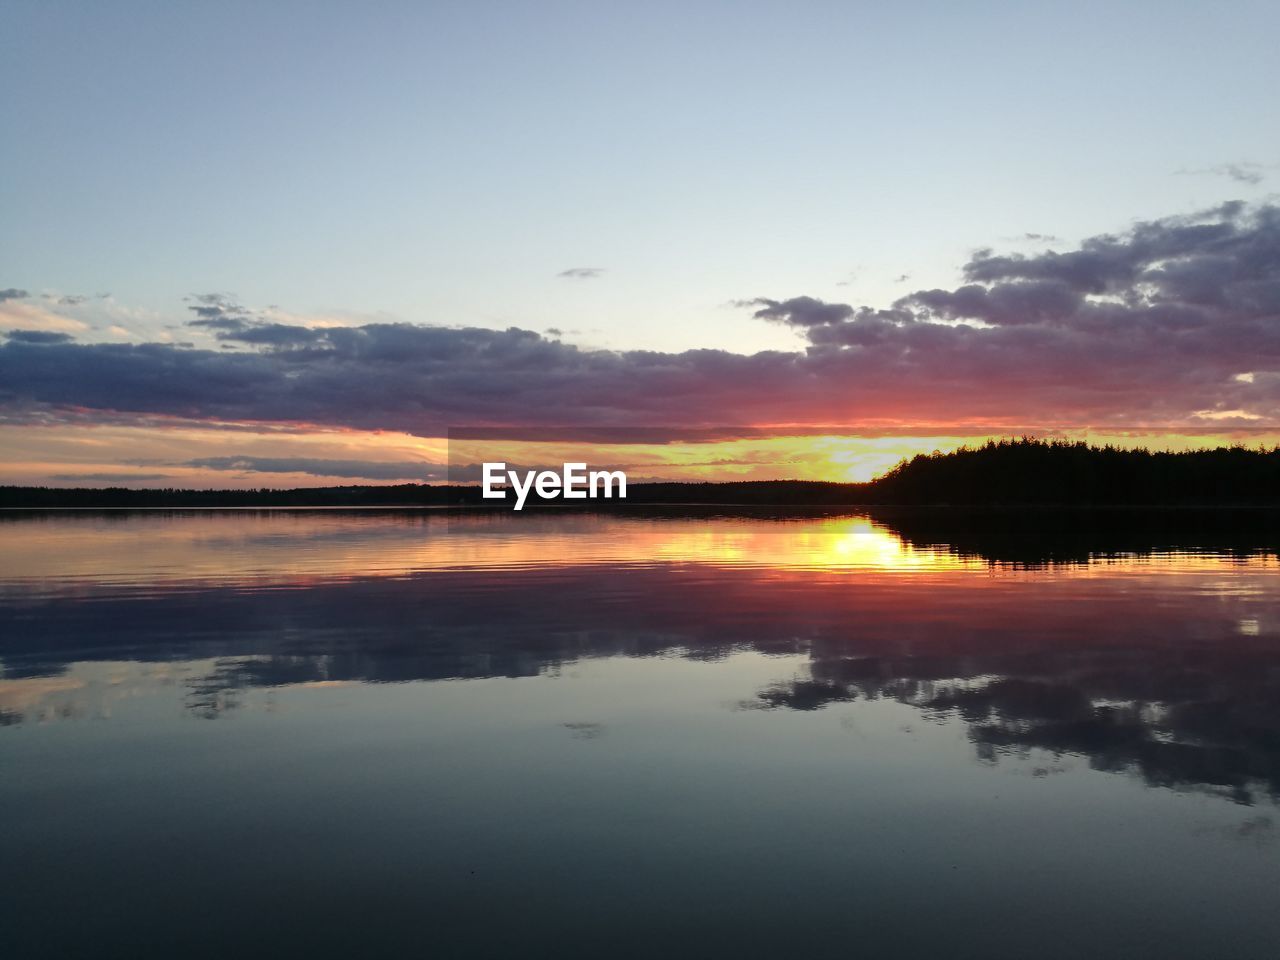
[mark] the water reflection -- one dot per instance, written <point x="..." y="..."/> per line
<point x="1201" y="718"/>
<point x="777" y="735"/>
<point x="1165" y="667"/>
<point x="152" y="549"/>
<point x="291" y="547"/>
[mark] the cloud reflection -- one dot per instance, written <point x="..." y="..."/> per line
<point x="1147" y="659"/>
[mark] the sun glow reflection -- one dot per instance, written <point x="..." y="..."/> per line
<point x="293" y="548"/>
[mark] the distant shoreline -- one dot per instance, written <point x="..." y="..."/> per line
<point x="654" y="506"/>
<point x="1005" y="473"/>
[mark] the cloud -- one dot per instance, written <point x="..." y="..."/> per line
<point x="18" y="314"/>
<point x="1154" y="327"/>
<point x="581" y="273"/>
<point x="111" y="477"/>
<point x="37" y="336"/>
<point x="1247" y="173"/>
<point x="799" y="311"/>
<point x="13" y="293"/>
<point x="272" y="334"/>
<point x="359" y="469"/>
<point x="393" y="376"/>
<point x="218" y="311"/>
<point x="1244" y="173"/>
<point x="1161" y="312"/>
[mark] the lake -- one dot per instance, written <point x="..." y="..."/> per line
<point x="649" y="734"/>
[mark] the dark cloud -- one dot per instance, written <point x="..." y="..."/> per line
<point x="581" y="273"/>
<point x="72" y="300"/>
<point x="218" y="311"/>
<point x="37" y="336"/>
<point x="1174" y="318"/>
<point x="799" y="311"/>
<point x="1122" y="264"/>
<point x="1011" y="303"/>
<point x="13" y="293"/>
<point x="272" y="334"/>
<point x="397" y="376"/>
<point x="360" y="469"/>
<point x="1168" y="312"/>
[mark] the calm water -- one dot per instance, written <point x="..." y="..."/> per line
<point x="368" y="734"/>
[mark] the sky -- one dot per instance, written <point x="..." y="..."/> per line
<point x="287" y="244"/>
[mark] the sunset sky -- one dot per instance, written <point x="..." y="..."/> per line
<point x="300" y="245"/>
